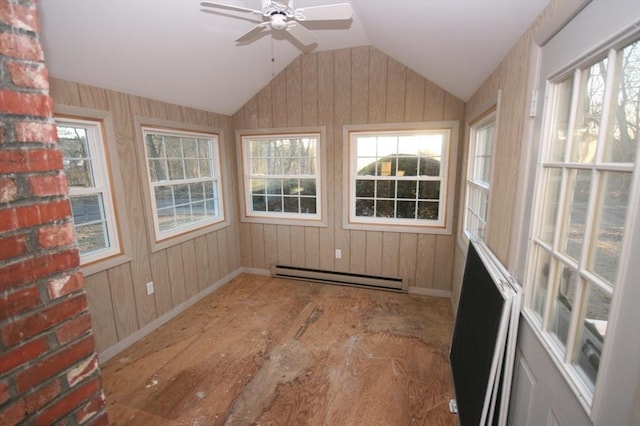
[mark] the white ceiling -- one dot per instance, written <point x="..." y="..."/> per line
<point x="171" y="50"/>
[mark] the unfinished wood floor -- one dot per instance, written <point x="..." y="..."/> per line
<point x="266" y="351"/>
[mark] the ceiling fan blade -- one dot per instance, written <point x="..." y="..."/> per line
<point x="253" y="33"/>
<point x="230" y="7"/>
<point x="330" y="12"/>
<point x="300" y="33"/>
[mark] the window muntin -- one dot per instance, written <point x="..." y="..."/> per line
<point x="399" y="177"/>
<point x="183" y="169"/>
<point x="479" y="176"/>
<point x="584" y="185"/>
<point x="282" y="176"/>
<point x="87" y="170"/>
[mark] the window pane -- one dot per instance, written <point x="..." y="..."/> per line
<point x="92" y="237"/>
<point x="206" y="168"/>
<point x="622" y="137"/>
<point x="365" y="188"/>
<point x="259" y="204"/>
<point x="592" y="334"/>
<point x="173" y="147"/>
<point x="428" y="210"/>
<point x="585" y="135"/>
<point x="407" y="189"/>
<point x="429" y="166"/>
<point x="366" y="166"/>
<point x="385" y="208"/>
<point x="190" y="148"/>
<point x="365" y="208"/>
<point x="291" y="166"/>
<point x="197" y="191"/>
<point x="76" y="155"/>
<point x="204" y="148"/>
<point x="274" y="203"/>
<point x="308" y="186"/>
<point x="550" y="204"/>
<point x="176" y="169"/>
<point x="575" y="214"/>
<point x="386" y="167"/>
<point x="566" y="282"/>
<point x="407" y="166"/>
<point x="540" y="281"/>
<point x="191" y="169"/>
<point x="87" y="209"/>
<point x="181" y="194"/>
<point x="429" y="190"/>
<point x="164" y="196"/>
<point x="387" y="146"/>
<point x="386" y="189"/>
<point x="166" y="218"/>
<point x="558" y="137"/>
<point x="274" y="186"/>
<point x="291" y="205"/>
<point x="308" y="205"/>
<point x="611" y="215"/>
<point x="155" y="146"/>
<point x="406" y="209"/>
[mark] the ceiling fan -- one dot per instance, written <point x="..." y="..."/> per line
<point x="278" y="17"/>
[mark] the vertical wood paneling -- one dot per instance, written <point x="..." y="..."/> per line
<point x="374" y="253"/>
<point x="64" y="92"/>
<point x="284" y="244"/>
<point x="357" y="251"/>
<point x="414" y="101"/>
<point x="124" y="303"/>
<point x="251" y="113"/>
<point x="433" y="102"/>
<point x="309" y="89"/>
<point x="396" y="91"/>
<point x="264" y="107"/>
<point x="342" y="109"/>
<point x="224" y="250"/>
<point x="279" y="98"/>
<point x="325" y="117"/>
<point x="425" y="261"/>
<point x="294" y="93"/>
<point x="270" y="245"/>
<point x="297" y="246"/>
<point x="312" y="247"/>
<point x="377" y="86"/>
<point x="202" y="262"/>
<point x="390" y="254"/>
<point x="443" y="265"/>
<point x="161" y="282"/>
<point x="257" y="245"/>
<point x="214" y="261"/>
<point x="176" y="275"/>
<point x="359" y="84"/>
<point x="188" y="249"/>
<point x="408" y="248"/>
<point x="93" y="97"/>
<point x="246" y="251"/>
<point x="101" y="310"/>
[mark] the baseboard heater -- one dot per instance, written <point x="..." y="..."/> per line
<point x="341" y="278"/>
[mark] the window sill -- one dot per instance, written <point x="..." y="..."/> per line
<point x="104" y="264"/>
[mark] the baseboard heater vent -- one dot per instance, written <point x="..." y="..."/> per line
<point x="341" y="278"/>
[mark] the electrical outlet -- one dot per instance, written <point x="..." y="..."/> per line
<point x="338" y="254"/>
<point x="150" y="289"/>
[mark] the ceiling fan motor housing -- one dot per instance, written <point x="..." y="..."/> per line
<point x="278" y="21"/>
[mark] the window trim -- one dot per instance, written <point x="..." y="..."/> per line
<point x="295" y="219"/>
<point x="157" y="242"/>
<point x="445" y="227"/>
<point x="114" y="185"/>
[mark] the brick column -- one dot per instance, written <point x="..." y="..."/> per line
<point x="48" y="364"/>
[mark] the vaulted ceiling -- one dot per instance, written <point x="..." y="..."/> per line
<point x="174" y="51"/>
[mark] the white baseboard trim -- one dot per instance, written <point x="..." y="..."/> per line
<point x="430" y="292"/>
<point x="256" y="271"/>
<point x="112" y="351"/>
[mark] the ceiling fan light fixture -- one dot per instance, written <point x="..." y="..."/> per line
<point x="278" y="21"/>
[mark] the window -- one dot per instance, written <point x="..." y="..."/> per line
<point x="282" y="177"/>
<point x="400" y="177"/>
<point x="482" y="135"/>
<point x="584" y="184"/>
<point x="183" y="170"/>
<point x="87" y="170"/>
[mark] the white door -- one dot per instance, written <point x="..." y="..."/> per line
<point x="579" y="343"/>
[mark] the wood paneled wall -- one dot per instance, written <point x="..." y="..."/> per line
<point x="334" y="88"/>
<point x="118" y="301"/>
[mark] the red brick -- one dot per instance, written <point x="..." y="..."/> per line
<point x="68" y="403"/>
<point x="54" y="364"/>
<point x="91" y="409"/>
<point x="65" y="285"/>
<point x="13" y="413"/>
<point x="20" y="103"/>
<point x="35" y="214"/>
<point x="23" y="354"/>
<point x="31" y="325"/>
<point x="42" y="396"/>
<point x="8" y="190"/>
<point x="82" y="371"/>
<point x="18" y="301"/>
<point x="31" y="75"/>
<point x="73" y="329"/>
<point x="32" y="269"/>
<point x="20" y="46"/>
<point x="30" y="160"/>
<point x="19" y="16"/>
<point x="4" y="392"/>
<point x="12" y="246"/>
<point x="36" y="131"/>
<point x="56" y="235"/>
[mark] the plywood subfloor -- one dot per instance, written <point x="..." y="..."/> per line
<point x="269" y="351"/>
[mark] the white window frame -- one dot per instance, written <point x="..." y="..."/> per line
<point x="162" y="239"/>
<point x="614" y="396"/>
<point x="244" y="138"/>
<point x="103" y="152"/>
<point x="447" y="177"/>
<point x="489" y="118"/>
